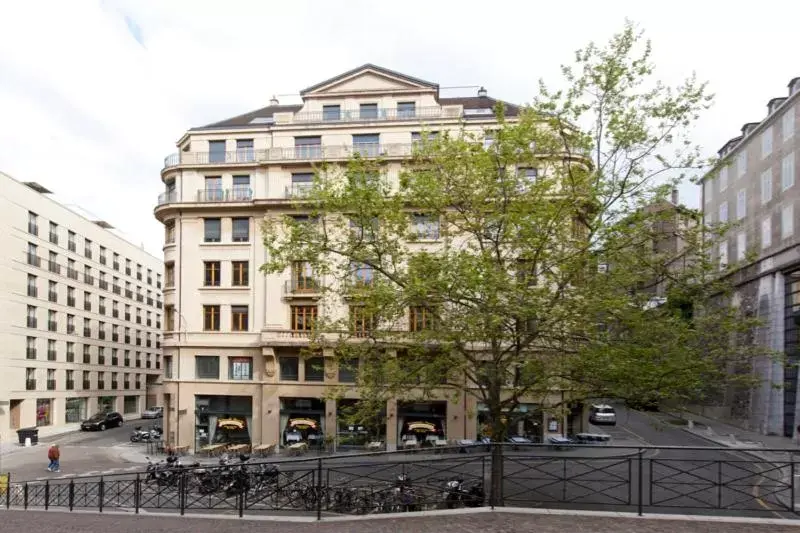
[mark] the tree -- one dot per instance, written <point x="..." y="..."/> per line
<point x="512" y="269"/>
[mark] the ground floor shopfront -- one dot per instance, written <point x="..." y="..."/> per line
<point x="198" y="415"/>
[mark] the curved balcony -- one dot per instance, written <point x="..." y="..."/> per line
<point x="297" y="153"/>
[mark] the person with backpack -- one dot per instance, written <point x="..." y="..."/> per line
<point x="54" y="454"/>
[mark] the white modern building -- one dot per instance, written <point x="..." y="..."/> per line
<point x="81" y="315"/>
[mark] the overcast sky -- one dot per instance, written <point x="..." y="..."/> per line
<point x="94" y="93"/>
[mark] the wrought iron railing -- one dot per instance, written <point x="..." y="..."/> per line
<point x="600" y="477"/>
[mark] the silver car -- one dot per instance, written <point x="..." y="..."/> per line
<point x="153" y="412"/>
<point x="602" y="415"/>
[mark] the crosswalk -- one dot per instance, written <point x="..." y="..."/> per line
<point x="121" y="470"/>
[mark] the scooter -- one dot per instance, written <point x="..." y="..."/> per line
<point x="457" y="493"/>
<point x="145" y="435"/>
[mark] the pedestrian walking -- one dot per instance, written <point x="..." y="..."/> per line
<point x="54" y="454"/>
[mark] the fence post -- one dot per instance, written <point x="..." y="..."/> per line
<point x="182" y="492"/>
<point x="101" y="493"/>
<point x="319" y="488"/>
<point x="71" y="494"/>
<point x="791" y="480"/>
<point x="641" y="482"/>
<point x="136" y="494"/>
<point x="719" y="484"/>
<point x="483" y="478"/>
<point x="47" y="495"/>
<point x="8" y="491"/>
<point x="25" y="495"/>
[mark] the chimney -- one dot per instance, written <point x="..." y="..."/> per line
<point x="273" y="100"/>
<point x="674" y="196"/>
<point x="482" y="92"/>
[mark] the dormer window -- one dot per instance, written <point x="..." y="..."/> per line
<point x="331" y="112"/>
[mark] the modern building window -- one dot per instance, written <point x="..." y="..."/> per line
<point x="406" y="109"/>
<point x="53" y="233"/>
<point x="302" y="182"/>
<point x="741" y="204"/>
<point x="30" y="379"/>
<point x="212" y="230"/>
<point x="315" y="369"/>
<point x="52" y="263"/>
<point x="723" y="178"/>
<point x="70" y="352"/>
<point x="766" y="142"/>
<point x="211" y="271"/>
<point x="115" y="264"/>
<point x="239" y="318"/>
<point x="426" y="227"/>
<point x="70" y="386"/>
<point x="169" y="235"/>
<point x="787" y="123"/>
<point x="51" y="379"/>
<point x="787" y="221"/>
<point x="240" y="368"/>
<point x="207" y="366"/>
<point x="289" y="367"/>
<point x="240" y="230"/>
<point x="741" y="163"/>
<point x="33" y="223"/>
<point x="71" y="246"/>
<point x="331" y="112"/>
<point x="368" y="111"/>
<point x="213" y="190"/>
<point x="766" y="232"/>
<point x="87" y="354"/>
<point x="766" y="186"/>
<point x="367" y="144"/>
<point x="787" y="172"/>
<point x="241" y="273"/>
<point x="30" y="348"/>
<point x="244" y="150"/>
<point x="87" y="248"/>
<point x="723" y="254"/>
<point x="308" y="147"/>
<point x="211" y="317"/>
<point x="303" y="279"/>
<point x="102" y="255"/>
<point x="241" y="188"/>
<point x="33" y="290"/>
<point x="31" y="316"/>
<point x="71" y="296"/>
<point x="216" y="151"/>
<point x="87" y="301"/>
<point x="52" y="291"/>
<point x="723" y="213"/>
<point x="70" y="324"/>
<point x="87" y="380"/>
<point x="303" y="317"/>
<point x="51" y="350"/>
<point x="52" y="322"/>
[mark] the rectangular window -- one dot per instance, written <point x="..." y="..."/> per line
<point x="315" y="369"/>
<point x="239" y="318"/>
<point x="212" y="191"/>
<point x="723" y="213"/>
<point x="30" y="348"/>
<point x="367" y="144"/>
<point x="368" y="111"/>
<point x="241" y="188"/>
<point x="206" y="366"/>
<point x="169" y="275"/>
<point x="787" y="221"/>
<point x="420" y="318"/>
<point x="52" y="291"/>
<point x="30" y="379"/>
<point x="240" y="368"/>
<point x="31" y="316"/>
<point x="169" y="237"/>
<point x="406" y="109"/>
<point x="52" y="323"/>
<point x="212" y="230"/>
<point x="244" y="151"/>
<point x="741" y="163"/>
<point x="787" y="172"/>
<point x="723" y="178"/>
<point x="33" y="226"/>
<point x="741" y="204"/>
<point x="87" y="248"/>
<point x="303" y="317"/>
<point x="302" y="182"/>
<point x="331" y="112"/>
<point x="70" y="352"/>
<point x="723" y="254"/>
<point x="168" y="366"/>
<point x="362" y="323"/>
<point x="71" y="241"/>
<point x="289" y="369"/>
<point x="216" y="151"/>
<point x="766" y="186"/>
<point x="240" y="231"/>
<point x="102" y="255"/>
<point x="787" y="123"/>
<point x="54" y="233"/>
<point x="211" y="271"/>
<point x="766" y="142"/>
<point x="169" y="318"/>
<point x="348" y="371"/>
<point x="426" y="227"/>
<point x="766" y="233"/>
<point x="308" y="147"/>
<point x="32" y="288"/>
<point x="211" y="317"/>
<point x="241" y="273"/>
<point x="303" y="277"/>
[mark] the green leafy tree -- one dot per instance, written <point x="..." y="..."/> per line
<point x="518" y="269"/>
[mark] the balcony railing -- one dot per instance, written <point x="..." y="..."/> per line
<point x="33" y="259"/>
<point x="375" y="115"/>
<point x="301" y="287"/>
<point x="103" y="285"/>
<point x="241" y="193"/>
<point x="101" y="384"/>
<point x="52" y="325"/>
<point x="88" y="278"/>
<point x="297" y="153"/>
<point x="30" y="384"/>
<point x="116" y="289"/>
<point x="72" y="273"/>
<point x="51" y="384"/>
<point x="70" y="384"/>
<point x="30" y="353"/>
<point x="31" y="321"/>
<point x="114" y="385"/>
<point x="70" y="328"/>
<point x="70" y="357"/>
<point x="87" y="384"/>
<point x="168" y="197"/>
<point x="54" y="267"/>
<point x="297" y="190"/>
<point x="51" y="355"/>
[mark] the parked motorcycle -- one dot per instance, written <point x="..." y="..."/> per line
<point x="145" y="435"/>
<point x="457" y="493"/>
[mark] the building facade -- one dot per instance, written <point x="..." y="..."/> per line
<point x="233" y="336"/>
<point x="82" y="316"/>
<point x="754" y="189"/>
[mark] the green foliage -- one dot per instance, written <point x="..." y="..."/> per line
<point x="506" y="269"/>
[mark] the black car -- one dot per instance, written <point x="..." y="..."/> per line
<point x="102" y="421"/>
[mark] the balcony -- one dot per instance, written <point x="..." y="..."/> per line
<point x="115" y="337"/>
<point x="71" y="246"/>
<point x="101" y="335"/>
<point x="70" y="384"/>
<point x="54" y="237"/>
<point x="33" y="260"/>
<point x="87" y="306"/>
<point x="71" y="301"/>
<point x="87" y="332"/>
<point x="86" y="384"/>
<point x="237" y="194"/>
<point x="87" y="359"/>
<point x="89" y="279"/>
<point x="302" y="288"/>
<point x="51" y="384"/>
<point x="30" y="384"/>
<point x="297" y="153"/>
<point x="52" y="325"/>
<point x="101" y="384"/>
<point x="116" y="289"/>
<point x="128" y="293"/>
<point x="31" y="321"/>
<point x="52" y="296"/>
<point x="53" y="267"/>
<point x="72" y="273"/>
<point x="297" y="190"/>
<point x="33" y="229"/>
<point x="127" y="362"/>
<point x="70" y="328"/>
<point x="115" y="313"/>
<point x="103" y="285"/>
<point x="102" y="309"/>
<point x="70" y="357"/>
<point x="375" y="115"/>
<point x="51" y="355"/>
<point x="30" y="353"/>
<point x="114" y="385"/>
<point x="168" y="197"/>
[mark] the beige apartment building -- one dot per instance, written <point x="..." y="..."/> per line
<point x="81" y="321"/>
<point x="754" y="187"/>
<point x="232" y="339"/>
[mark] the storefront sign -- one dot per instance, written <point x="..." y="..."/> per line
<point x="303" y="423"/>
<point x="230" y="423"/>
<point x="421" y="427"/>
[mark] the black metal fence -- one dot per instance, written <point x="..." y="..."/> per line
<point x="646" y="479"/>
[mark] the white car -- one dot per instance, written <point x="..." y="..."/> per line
<point x="602" y="415"/>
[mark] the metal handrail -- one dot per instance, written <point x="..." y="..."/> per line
<point x="372" y="115"/>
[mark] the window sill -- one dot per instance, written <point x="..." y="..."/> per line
<point x="218" y="244"/>
<point x="220" y="288"/>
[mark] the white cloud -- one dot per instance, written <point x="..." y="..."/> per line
<point x="90" y="112"/>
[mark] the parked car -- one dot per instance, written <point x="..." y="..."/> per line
<point x="602" y="414"/>
<point x="153" y="412"/>
<point x="102" y="421"/>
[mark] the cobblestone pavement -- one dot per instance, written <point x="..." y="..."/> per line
<point x="452" y="522"/>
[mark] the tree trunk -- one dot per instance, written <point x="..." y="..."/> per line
<point x="498" y="438"/>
